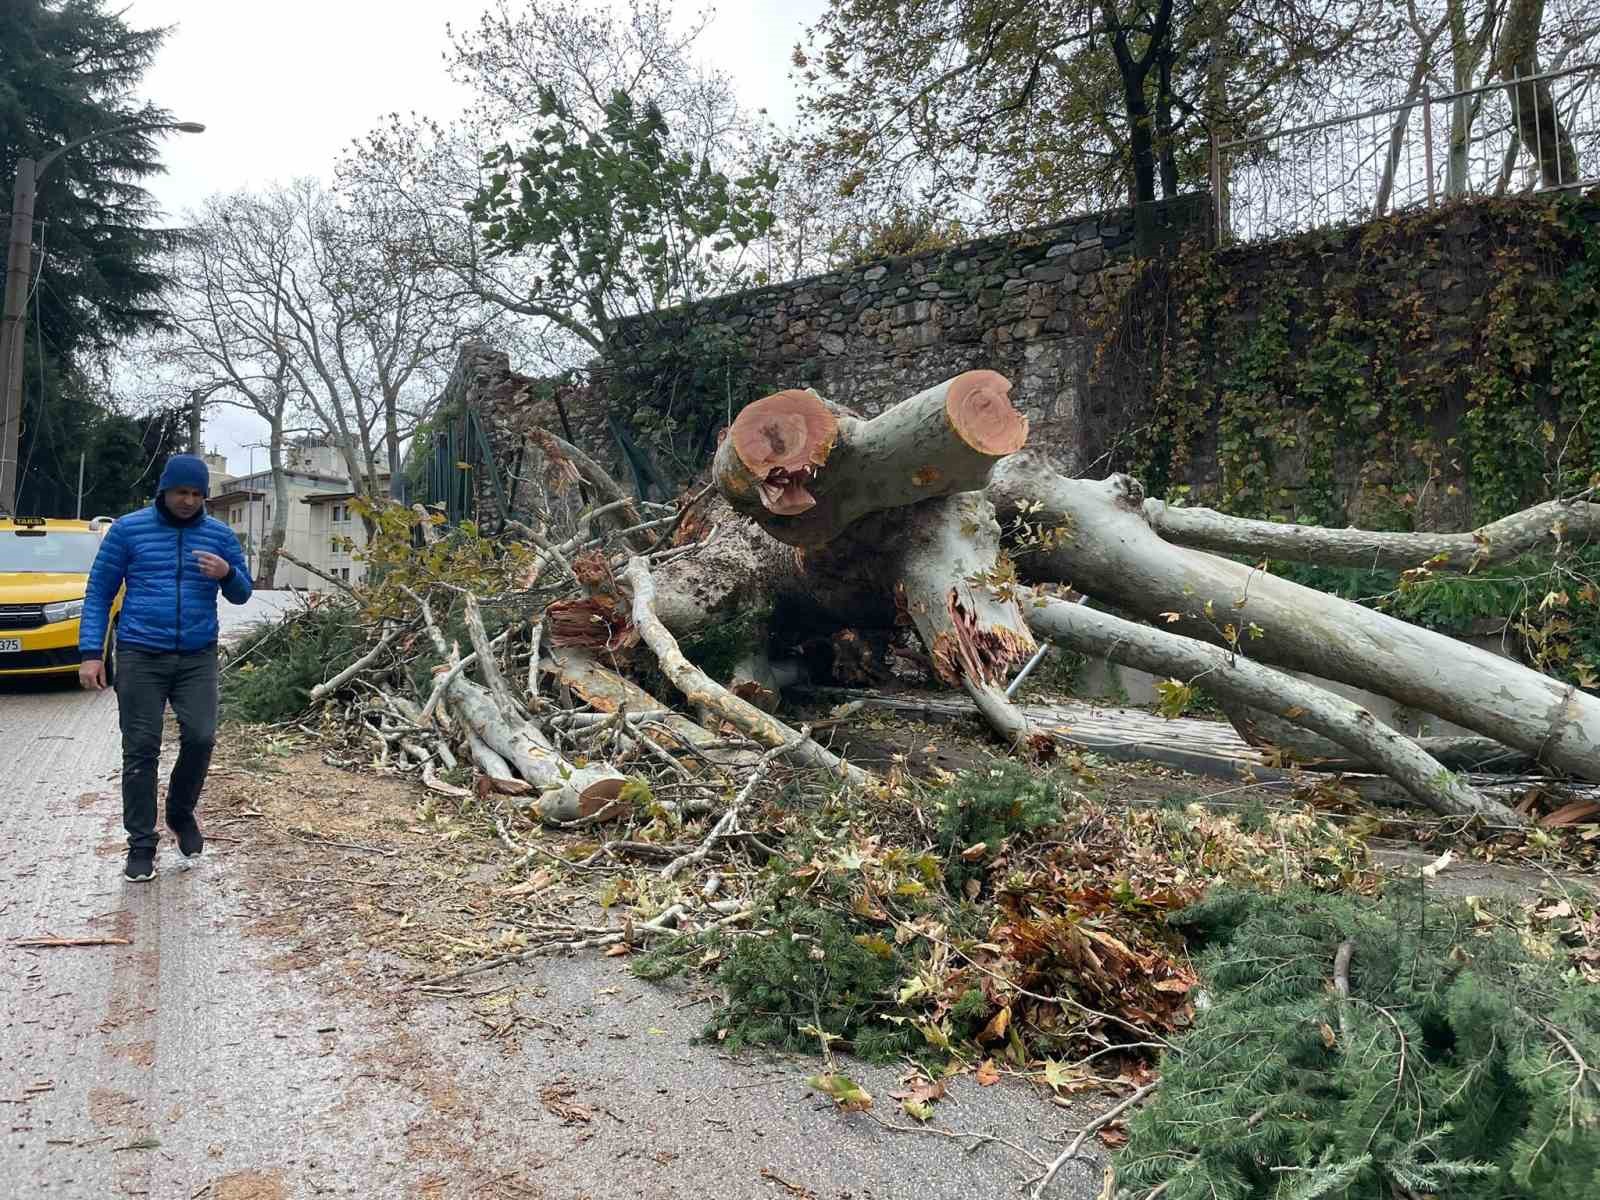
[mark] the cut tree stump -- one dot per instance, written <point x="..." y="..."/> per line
<point x="806" y="471"/>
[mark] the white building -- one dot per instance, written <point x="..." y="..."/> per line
<point x="320" y="527"/>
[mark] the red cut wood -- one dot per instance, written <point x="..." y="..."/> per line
<point x="807" y="470"/>
<point x="776" y="445"/>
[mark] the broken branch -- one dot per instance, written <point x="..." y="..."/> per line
<point x="700" y="689"/>
<point x="1232" y="675"/>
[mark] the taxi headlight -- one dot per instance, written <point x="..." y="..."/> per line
<point x="64" y="611"/>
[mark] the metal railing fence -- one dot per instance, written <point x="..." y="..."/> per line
<point x="1533" y="134"/>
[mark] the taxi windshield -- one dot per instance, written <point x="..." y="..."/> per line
<point x="39" y="551"/>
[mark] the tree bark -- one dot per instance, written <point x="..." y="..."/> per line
<point x="807" y="471"/>
<point x="947" y="574"/>
<point x="566" y="792"/>
<point x="268" y="566"/>
<point x="1247" y="682"/>
<point x="1108" y="549"/>
<point x="1466" y="53"/>
<point x="1532" y="105"/>
<point x="1548" y="526"/>
<point x="1456" y="753"/>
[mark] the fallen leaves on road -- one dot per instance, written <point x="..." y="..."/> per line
<point x="557" y="1098"/>
<point x="918" y="1100"/>
<point x="842" y="1090"/>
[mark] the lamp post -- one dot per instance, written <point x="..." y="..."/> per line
<point x="18" y="266"/>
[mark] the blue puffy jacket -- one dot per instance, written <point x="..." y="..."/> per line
<point x="170" y="603"/>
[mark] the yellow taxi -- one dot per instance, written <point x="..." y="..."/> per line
<point x="44" y="572"/>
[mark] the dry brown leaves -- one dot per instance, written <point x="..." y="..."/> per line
<point x="1084" y="918"/>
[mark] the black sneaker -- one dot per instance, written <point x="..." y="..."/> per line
<point x="190" y="840"/>
<point x="141" y="866"/>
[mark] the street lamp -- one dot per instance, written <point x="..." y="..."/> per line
<point x="18" y="266"/>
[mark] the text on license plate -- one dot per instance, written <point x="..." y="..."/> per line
<point x="10" y="645"/>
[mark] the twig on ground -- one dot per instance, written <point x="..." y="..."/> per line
<point x="726" y="823"/>
<point x="316" y="841"/>
<point x="1100" y="1122"/>
<point x="979" y="1140"/>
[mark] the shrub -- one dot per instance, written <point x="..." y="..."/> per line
<point x="989" y="807"/>
<point x="270" y="673"/>
<point x="1452" y="1069"/>
<point x="812" y="973"/>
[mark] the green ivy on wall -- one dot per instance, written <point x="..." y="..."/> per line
<point x="671" y="392"/>
<point x="1421" y="370"/>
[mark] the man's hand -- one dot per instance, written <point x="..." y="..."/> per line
<point x="211" y="566"/>
<point x="92" y="675"/>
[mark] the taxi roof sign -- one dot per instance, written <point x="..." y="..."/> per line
<point x="28" y="521"/>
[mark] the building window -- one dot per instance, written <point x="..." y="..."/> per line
<point x="333" y="545"/>
<point x="344" y="574"/>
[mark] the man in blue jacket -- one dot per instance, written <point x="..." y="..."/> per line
<point x="173" y="559"/>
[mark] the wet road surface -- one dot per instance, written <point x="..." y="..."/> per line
<point x="215" y="1055"/>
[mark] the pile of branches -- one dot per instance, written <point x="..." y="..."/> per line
<point x="930" y="518"/>
<point x="556" y="679"/>
<point x="490" y="666"/>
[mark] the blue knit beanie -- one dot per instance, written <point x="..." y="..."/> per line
<point x="185" y="470"/>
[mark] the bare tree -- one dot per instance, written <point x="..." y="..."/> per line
<point x="1459" y="49"/>
<point x="297" y="306"/>
<point x="228" y="341"/>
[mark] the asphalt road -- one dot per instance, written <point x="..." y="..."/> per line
<point x="192" y="1058"/>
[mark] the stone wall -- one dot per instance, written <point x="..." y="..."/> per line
<point x="508" y="405"/>
<point x="873" y="334"/>
<point x="1394" y="374"/>
<point x="866" y="337"/>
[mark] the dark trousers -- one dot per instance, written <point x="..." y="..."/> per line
<point x="146" y="683"/>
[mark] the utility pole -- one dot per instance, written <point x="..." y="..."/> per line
<point x="19" y="250"/>
<point x="19" y="269"/>
<point x="81" y="456"/>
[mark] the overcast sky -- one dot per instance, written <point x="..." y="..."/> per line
<point x="283" y="87"/>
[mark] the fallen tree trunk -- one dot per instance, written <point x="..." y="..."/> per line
<point x="1456" y="753"/>
<point x="945" y="564"/>
<point x="1548" y="526"/>
<point x="1246" y="682"/>
<point x="1101" y="542"/>
<point x="700" y="689"/>
<point x="806" y="471"/>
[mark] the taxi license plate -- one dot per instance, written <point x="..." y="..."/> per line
<point x="10" y="645"/>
